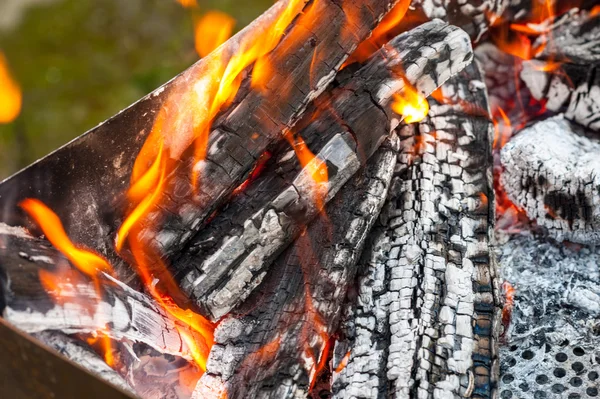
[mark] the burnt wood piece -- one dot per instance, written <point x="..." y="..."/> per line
<point x="82" y="355"/>
<point x="358" y="109"/>
<point x="297" y="308"/>
<point x="25" y="303"/>
<point x="85" y="181"/>
<point x="300" y="68"/>
<point x="425" y="321"/>
<point x="565" y="75"/>
<point x="552" y="171"/>
<point x="473" y="16"/>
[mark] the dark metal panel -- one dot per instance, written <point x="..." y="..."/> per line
<point x="29" y="370"/>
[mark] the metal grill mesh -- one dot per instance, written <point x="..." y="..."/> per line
<point x="552" y="346"/>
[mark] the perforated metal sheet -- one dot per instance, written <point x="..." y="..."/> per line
<point x="551" y="348"/>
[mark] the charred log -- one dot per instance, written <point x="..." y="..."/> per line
<point x="82" y="355"/>
<point x="296" y="309"/>
<point x="359" y="110"/>
<point x="565" y="75"/>
<point x="27" y="304"/>
<point x="473" y="16"/>
<point x="425" y="319"/>
<point x="552" y="171"/>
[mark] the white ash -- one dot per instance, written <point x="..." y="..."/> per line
<point x="551" y="347"/>
<point x="552" y="171"/>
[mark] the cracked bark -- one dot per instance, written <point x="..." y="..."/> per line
<point x="296" y="309"/>
<point x="25" y="304"/>
<point x="573" y="87"/>
<point x="300" y="68"/>
<point x="552" y="171"/>
<point x="425" y="320"/>
<point x="82" y="355"/>
<point x="221" y="274"/>
<point x="472" y="16"/>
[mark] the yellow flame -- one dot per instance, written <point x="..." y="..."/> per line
<point x="410" y="104"/>
<point x="10" y="94"/>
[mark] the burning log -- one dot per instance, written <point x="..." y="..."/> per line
<point x="225" y="277"/>
<point x="83" y="356"/>
<point x="27" y="305"/>
<point x="475" y="17"/>
<point x="565" y="74"/>
<point x="552" y="171"/>
<point x="288" y="332"/>
<point x="426" y="319"/>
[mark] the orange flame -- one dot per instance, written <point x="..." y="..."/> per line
<point x="410" y="104"/>
<point x="62" y="283"/>
<point x="595" y="11"/>
<point x="10" y="94"/>
<point x="343" y="362"/>
<point x="188" y="3"/>
<point x="316" y="167"/>
<point x="380" y="34"/>
<point x="87" y="261"/>
<point x="212" y="30"/>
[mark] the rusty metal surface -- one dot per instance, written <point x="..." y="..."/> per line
<point x="30" y="370"/>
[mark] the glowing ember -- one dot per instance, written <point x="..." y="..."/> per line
<point x="212" y="30"/>
<point x="509" y="302"/>
<point x="10" y="94"/>
<point x="410" y="104"/>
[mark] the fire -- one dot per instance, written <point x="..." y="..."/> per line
<point x="315" y="166"/>
<point x="87" y="261"/>
<point x="62" y="283"/>
<point x="380" y="34"/>
<point x="188" y="3"/>
<point x="10" y="94"/>
<point x="410" y="104"/>
<point x="509" y="303"/>
<point x="595" y="11"/>
<point x="343" y="362"/>
<point x="502" y="128"/>
<point x="212" y="30"/>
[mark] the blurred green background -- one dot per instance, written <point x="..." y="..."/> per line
<point x="80" y="61"/>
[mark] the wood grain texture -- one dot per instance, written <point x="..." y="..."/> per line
<point x="221" y="276"/>
<point x="424" y="323"/>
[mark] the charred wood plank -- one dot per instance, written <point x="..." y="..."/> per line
<point x="475" y="17"/>
<point x="300" y="67"/>
<point x="300" y="300"/>
<point x="82" y="355"/>
<point x="425" y="319"/>
<point x="565" y="75"/>
<point x="552" y="171"/>
<point x="359" y="110"/>
<point x="25" y="302"/>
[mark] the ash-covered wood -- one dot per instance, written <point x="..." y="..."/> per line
<point x="565" y="74"/>
<point x="425" y="318"/>
<point x="474" y="17"/>
<point x="552" y="171"/>
<point x="296" y="310"/>
<point x="82" y="355"/>
<point x="359" y="109"/>
<point x="27" y="305"/>
<point x="300" y="68"/>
